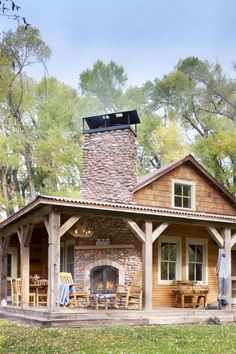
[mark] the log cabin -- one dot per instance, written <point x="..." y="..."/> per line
<point x="169" y="225"/>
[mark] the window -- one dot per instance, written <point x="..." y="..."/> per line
<point x="183" y="194"/>
<point x="169" y="259"/>
<point x="67" y="257"/>
<point x="197" y="260"/>
<point x="11" y="263"/>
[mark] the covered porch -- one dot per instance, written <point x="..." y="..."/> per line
<point x="132" y="238"/>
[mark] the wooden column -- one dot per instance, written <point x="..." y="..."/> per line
<point x="24" y="235"/>
<point x="227" y="248"/>
<point x="147" y="267"/>
<point x="53" y="259"/>
<point x="24" y="274"/>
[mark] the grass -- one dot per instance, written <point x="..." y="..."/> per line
<point x="17" y="338"/>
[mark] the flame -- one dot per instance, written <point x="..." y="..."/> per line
<point x="109" y="285"/>
<point x="100" y="285"/>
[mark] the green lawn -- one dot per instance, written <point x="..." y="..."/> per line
<point x="16" y="338"/>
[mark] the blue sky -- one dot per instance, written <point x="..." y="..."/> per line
<point x="147" y="37"/>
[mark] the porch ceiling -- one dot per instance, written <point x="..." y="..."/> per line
<point x="43" y="204"/>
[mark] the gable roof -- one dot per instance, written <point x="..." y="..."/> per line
<point x="144" y="181"/>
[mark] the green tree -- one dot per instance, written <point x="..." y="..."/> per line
<point x="204" y="101"/>
<point x="18" y="50"/>
<point x="105" y="83"/>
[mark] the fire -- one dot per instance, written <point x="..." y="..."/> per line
<point x="100" y="285"/>
<point x="109" y="285"/>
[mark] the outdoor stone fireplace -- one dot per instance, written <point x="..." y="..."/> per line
<point x="103" y="280"/>
<point x="123" y="253"/>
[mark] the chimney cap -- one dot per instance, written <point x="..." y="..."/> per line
<point x="110" y="121"/>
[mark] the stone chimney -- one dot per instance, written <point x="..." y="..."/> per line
<point x="109" y="157"/>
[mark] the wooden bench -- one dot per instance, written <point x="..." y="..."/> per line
<point x="192" y="290"/>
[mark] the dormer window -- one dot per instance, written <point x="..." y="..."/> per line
<point x="183" y="194"/>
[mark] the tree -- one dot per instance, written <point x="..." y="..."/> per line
<point x="57" y="153"/>
<point x="105" y="83"/>
<point x="204" y="101"/>
<point x="18" y="50"/>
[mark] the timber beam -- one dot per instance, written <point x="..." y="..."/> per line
<point x="25" y="235"/>
<point x="64" y="227"/>
<point x="32" y="218"/>
<point x="68" y="224"/>
<point x="158" y="231"/>
<point x="233" y="240"/>
<point x="136" y="229"/>
<point x="216" y="236"/>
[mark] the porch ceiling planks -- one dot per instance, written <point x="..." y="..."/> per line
<point x="233" y="240"/>
<point x="216" y="236"/>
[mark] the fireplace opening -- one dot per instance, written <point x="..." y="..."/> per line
<point x="103" y="280"/>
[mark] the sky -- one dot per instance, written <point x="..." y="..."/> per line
<point x="147" y="37"/>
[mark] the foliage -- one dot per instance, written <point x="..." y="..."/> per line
<point x="105" y="83"/>
<point x="203" y="100"/>
<point x="190" y="110"/>
<point x="184" y="339"/>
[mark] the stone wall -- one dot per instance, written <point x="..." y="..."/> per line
<point x="127" y="260"/>
<point x="109" y="170"/>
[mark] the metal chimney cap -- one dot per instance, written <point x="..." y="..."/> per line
<point x="110" y="121"/>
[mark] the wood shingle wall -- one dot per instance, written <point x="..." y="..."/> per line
<point x="159" y="192"/>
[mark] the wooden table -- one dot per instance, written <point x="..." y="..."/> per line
<point x="35" y="288"/>
<point x="189" y="289"/>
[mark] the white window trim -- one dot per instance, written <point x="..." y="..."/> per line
<point x="178" y="241"/>
<point x="193" y="190"/>
<point x="203" y="242"/>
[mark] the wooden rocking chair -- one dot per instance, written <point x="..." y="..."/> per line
<point x="66" y="278"/>
<point x="131" y="295"/>
<point x="16" y="293"/>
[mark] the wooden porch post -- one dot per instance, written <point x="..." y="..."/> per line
<point x="24" y="235"/>
<point x="227" y="248"/>
<point x="147" y="266"/>
<point x="53" y="259"/>
<point x="24" y="274"/>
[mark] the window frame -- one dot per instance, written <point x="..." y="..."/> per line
<point x="64" y="245"/>
<point x="192" y="189"/>
<point x="178" y="242"/>
<point x="198" y="242"/>
<point x="14" y="255"/>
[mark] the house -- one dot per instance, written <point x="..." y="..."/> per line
<point x="169" y="225"/>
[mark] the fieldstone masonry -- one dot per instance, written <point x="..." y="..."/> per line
<point x="126" y="260"/>
<point x="109" y="171"/>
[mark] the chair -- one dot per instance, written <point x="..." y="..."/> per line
<point x="131" y="295"/>
<point x="41" y="294"/>
<point x="76" y="293"/>
<point x="16" y="293"/>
